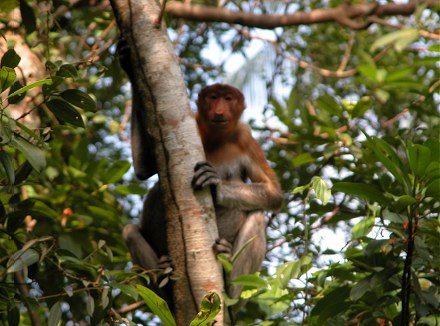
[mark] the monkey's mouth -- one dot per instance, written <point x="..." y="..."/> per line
<point x="219" y="122"/>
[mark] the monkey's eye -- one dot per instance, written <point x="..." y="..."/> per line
<point x="228" y="98"/>
<point x="213" y="97"/>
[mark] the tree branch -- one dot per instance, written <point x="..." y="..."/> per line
<point x="344" y="14"/>
<point x="190" y="217"/>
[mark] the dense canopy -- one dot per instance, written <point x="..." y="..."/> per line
<point x="342" y="96"/>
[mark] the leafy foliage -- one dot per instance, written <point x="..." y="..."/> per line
<point x="358" y="155"/>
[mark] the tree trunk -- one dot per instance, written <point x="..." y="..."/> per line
<point x="191" y="226"/>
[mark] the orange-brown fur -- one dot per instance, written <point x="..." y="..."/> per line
<point x="243" y="186"/>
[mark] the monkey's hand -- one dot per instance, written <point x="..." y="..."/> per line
<point x="224" y="247"/>
<point x="205" y="176"/>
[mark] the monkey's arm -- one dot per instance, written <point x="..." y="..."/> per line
<point x="144" y="161"/>
<point x="262" y="193"/>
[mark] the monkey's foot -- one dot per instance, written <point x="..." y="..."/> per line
<point x="165" y="267"/>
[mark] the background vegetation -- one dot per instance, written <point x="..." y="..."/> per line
<point x="348" y="119"/>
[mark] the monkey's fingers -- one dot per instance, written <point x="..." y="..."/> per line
<point x="203" y="165"/>
<point x="223" y="246"/>
<point x="205" y="179"/>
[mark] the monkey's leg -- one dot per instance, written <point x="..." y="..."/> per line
<point x="251" y="241"/>
<point x="141" y="252"/>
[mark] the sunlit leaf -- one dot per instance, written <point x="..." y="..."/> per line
<point x="226" y="263"/>
<point x="401" y="39"/>
<point x="253" y="281"/>
<point x="30" y="86"/>
<point x="7" y="78"/>
<point x="362" y="228"/>
<point x="209" y="308"/>
<point x="321" y="189"/>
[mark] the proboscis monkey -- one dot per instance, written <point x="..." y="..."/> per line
<point x="242" y="183"/>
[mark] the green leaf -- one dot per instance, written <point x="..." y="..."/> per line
<point x="79" y="99"/>
<point x="360" y="288"/>
<point x="33" y="154"/>
<point x="67" y="70"/>
<point x="157" y="305"/>
<point x="299" y="190"/>
<point x="401" y="39"/>
<point x="368" y="71"/>
<point x="10" y="59"/>
<point x="55" y="314"/>
<point x="329" y="104"/>
<point x="252" y="281"/>
<point x="226" y="263"/>
<point x="65" y="112"/>
<point x="22" y="259"/>
<point x="362" y="106"/>
<point x="321" y="189"/>
<point x="127" y="289"/>
<point x="433" y="189"/>
<point x="90" y="305"/>
<point x="362" y="228"/>
<point x="387" y="156"/>
<point x="209" y="308"/>
<point x="7" y="78"/>
<point x="8" y="5"/>
<point x="362" y="190"/>
<point x="291" y="270"/>
<point x="13" y="316"/>
<point x="30" y="86"/>
<point x="132" y="189"/>
<point x="331" y="304"/>
<point x="419" y="157"/>
<point x="8" y="164"/>
<point x="406" y="200"/>
<point x="116" y="171"/>
<point x="302" y="159"/>
<point x="434" y="146"/>
<point x="15" y="87"/>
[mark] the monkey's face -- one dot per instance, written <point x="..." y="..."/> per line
<point x="220" y="106"/>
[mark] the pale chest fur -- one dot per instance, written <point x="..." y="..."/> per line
<point x="230" y="162"/>
<point x="231" y="165"/>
